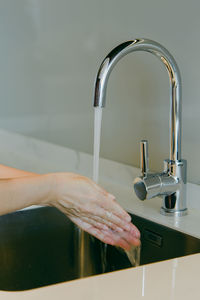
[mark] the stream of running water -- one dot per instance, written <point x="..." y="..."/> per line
<point x="134" y="253"/>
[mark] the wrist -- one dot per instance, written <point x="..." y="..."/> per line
<point x="48" y="183"/>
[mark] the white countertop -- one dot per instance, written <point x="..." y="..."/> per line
<point x="173" y="279"/>
<point x="176" y="279"/>
<point x="41" y="157"/>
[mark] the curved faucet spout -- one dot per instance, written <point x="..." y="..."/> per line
<point x="175" y="84"/>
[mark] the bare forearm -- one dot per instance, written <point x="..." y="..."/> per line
<point x="85" y="203"/>
<point x="18" y="193"/>
<point x="8" y="172"/>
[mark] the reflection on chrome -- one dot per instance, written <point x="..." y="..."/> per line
<point x="171" y="183"/>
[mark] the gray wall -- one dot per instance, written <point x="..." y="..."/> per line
<point x="50" y="51"/>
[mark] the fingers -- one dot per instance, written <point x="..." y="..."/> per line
<point x="109" y="202"/>
<point x="122" y="239"/>
<point x="99" y="234"/>
<point x="108" y="236"/>
<point x="108" y="224"/>
<point x="100" y="218"/>
<point x="108" y="216"/>
<point x="110" y="229"/>
<point x="113" y="213"/>
<point x="132" y="228"/>
<point x="101" y="231"/>
<point x="120" y="242"/>
<point x="130" y="238"/>
<point x="94" y="223"/>
<point x="90" y="221"/>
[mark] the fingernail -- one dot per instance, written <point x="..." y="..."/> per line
<point x="128" y="218"/>
<point x="137" y="234"/>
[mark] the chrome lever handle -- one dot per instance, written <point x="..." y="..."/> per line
<point x="144" y="157"/>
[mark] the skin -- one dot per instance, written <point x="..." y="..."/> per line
<point x="83" y="201"/>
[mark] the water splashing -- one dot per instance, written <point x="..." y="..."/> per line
<point x="134" y="255"/>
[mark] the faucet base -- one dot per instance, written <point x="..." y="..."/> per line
<point x="175" y="213"/>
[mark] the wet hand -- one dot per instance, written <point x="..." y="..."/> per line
<point x="93" y="209"/>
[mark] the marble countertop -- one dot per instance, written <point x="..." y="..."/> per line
<point x="163" y="280"/>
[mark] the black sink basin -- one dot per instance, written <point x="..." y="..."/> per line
<point x="40" y="246"/>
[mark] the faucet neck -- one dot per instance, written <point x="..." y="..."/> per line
<point x="175" y="84"/>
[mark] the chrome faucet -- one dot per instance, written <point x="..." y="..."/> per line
<point x="171" y="183"/>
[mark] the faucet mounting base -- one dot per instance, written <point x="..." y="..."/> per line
<point x="175" y="213"/>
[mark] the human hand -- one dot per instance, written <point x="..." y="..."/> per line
<point x="93" y="210"/>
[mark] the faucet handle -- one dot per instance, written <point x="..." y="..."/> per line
<point x="144" y="157"/>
